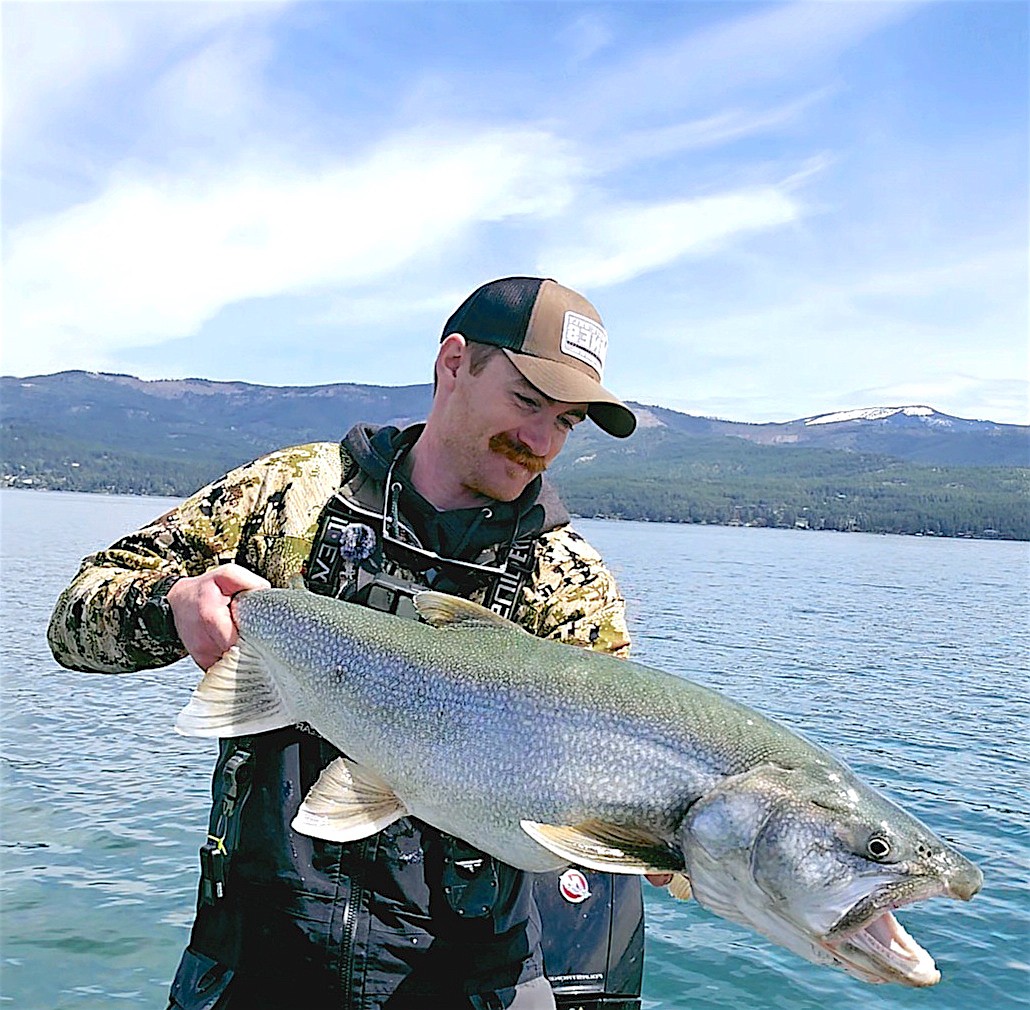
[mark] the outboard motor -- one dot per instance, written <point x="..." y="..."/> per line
<point x="593" y="938"/>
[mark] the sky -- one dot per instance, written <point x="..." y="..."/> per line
<point x="779" y="209"/>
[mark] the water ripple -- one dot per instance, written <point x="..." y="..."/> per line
<point x="907" y="657"/>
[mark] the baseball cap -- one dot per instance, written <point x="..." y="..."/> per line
<point x="553" y="336"/>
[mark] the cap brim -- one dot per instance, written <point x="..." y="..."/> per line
<point x="560" y="382"/>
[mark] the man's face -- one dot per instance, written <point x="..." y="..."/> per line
<point x="501" y="431"/>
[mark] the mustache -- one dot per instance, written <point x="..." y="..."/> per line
<point x="517" y="452"/>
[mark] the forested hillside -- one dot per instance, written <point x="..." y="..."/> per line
<point x="945" y="476"/>
<point x="732" y="482"/>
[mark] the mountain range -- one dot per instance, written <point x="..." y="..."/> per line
<point x="100" y="431"/>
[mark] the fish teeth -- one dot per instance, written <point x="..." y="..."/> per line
<point x="887" y="940"/>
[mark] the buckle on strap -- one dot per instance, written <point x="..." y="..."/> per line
<point x="223" y="835"/>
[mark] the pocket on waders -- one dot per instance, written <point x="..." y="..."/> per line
<point x="469" y="879"/>
<point x="200" y="983"/>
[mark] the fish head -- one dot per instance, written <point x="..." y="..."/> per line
<point x="818" y="862"/>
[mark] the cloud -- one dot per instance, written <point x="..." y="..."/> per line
<point x="949" y="333"/>
<point x="617" y="243"/>
<point x="154" y="257"/>
<point x="186" y="180"/>
<point x="781" y="42"/>
<point x="586" y="36"/>
<point x="723" y="127"/>
<point x="55" y="54"/>
<point x="1003" y="400"/>
<point x="215" y="93"/>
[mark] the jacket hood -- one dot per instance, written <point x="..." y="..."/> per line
<point x="374" y="448"/>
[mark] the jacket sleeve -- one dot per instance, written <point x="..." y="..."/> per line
<point x="573" y="597"/>
<point x="98" y="622"/>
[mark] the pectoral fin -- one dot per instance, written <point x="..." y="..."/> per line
<point x="611" y="848"/>
<point x="236" y="697"/>
<point x="679" y="887"/>
<point x="348" y="802"/>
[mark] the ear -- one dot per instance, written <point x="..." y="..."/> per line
<point x="452" y="353"/>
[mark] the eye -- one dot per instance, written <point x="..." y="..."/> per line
<point x="878" y="848"/>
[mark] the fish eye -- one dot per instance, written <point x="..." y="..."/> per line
<point x="878" y="848"/>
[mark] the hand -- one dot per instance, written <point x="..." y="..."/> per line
<point x="677" y="883"/>
<point x="200" y="606"/>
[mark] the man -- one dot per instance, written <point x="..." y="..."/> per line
<point x="410" y="917"/>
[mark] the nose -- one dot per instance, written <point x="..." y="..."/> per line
<point x="536" y="434"/>
<point x="965" y="880"/>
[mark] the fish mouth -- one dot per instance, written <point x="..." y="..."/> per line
<point x="869" y="942"/>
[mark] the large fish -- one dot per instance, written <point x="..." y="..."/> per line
<point x="544" y="754"/>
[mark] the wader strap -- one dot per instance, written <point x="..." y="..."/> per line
<point x="339" y="559"/>
<point x="334" y="560"/>
<point x="224" y="829"/>
<point x="503" y="594"/>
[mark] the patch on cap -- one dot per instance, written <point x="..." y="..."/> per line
<point x="584" y="339"/>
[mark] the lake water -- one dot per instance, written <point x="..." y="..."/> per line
<point x="906" y="656"/>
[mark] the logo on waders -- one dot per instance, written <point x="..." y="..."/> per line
<point x="573" y="886"/>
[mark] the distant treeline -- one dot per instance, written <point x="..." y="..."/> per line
<point x="731" y="482"/>
<point x="716" y="481"/>
<point x="28" y="459"/>
<point x="910" y="509"/>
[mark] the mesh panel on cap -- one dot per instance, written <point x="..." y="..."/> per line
<point x="497" y="313"/>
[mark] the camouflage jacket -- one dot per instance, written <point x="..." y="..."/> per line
<point x="264" y="515"/>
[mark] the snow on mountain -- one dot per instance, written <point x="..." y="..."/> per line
<point x="648" y="418"/>
<point x="875" y="414"/>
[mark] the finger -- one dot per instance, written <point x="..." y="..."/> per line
<point x="233" y="578"/>
<point x="211" y="650"/>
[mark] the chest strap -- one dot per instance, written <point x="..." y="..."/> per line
<point x="503" y="594"/>
<point x="348" y="548"/>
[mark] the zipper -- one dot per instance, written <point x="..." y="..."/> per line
<point x="355" y="898"/>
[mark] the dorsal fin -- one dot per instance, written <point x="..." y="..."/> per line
<point x="443" y="611"/>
